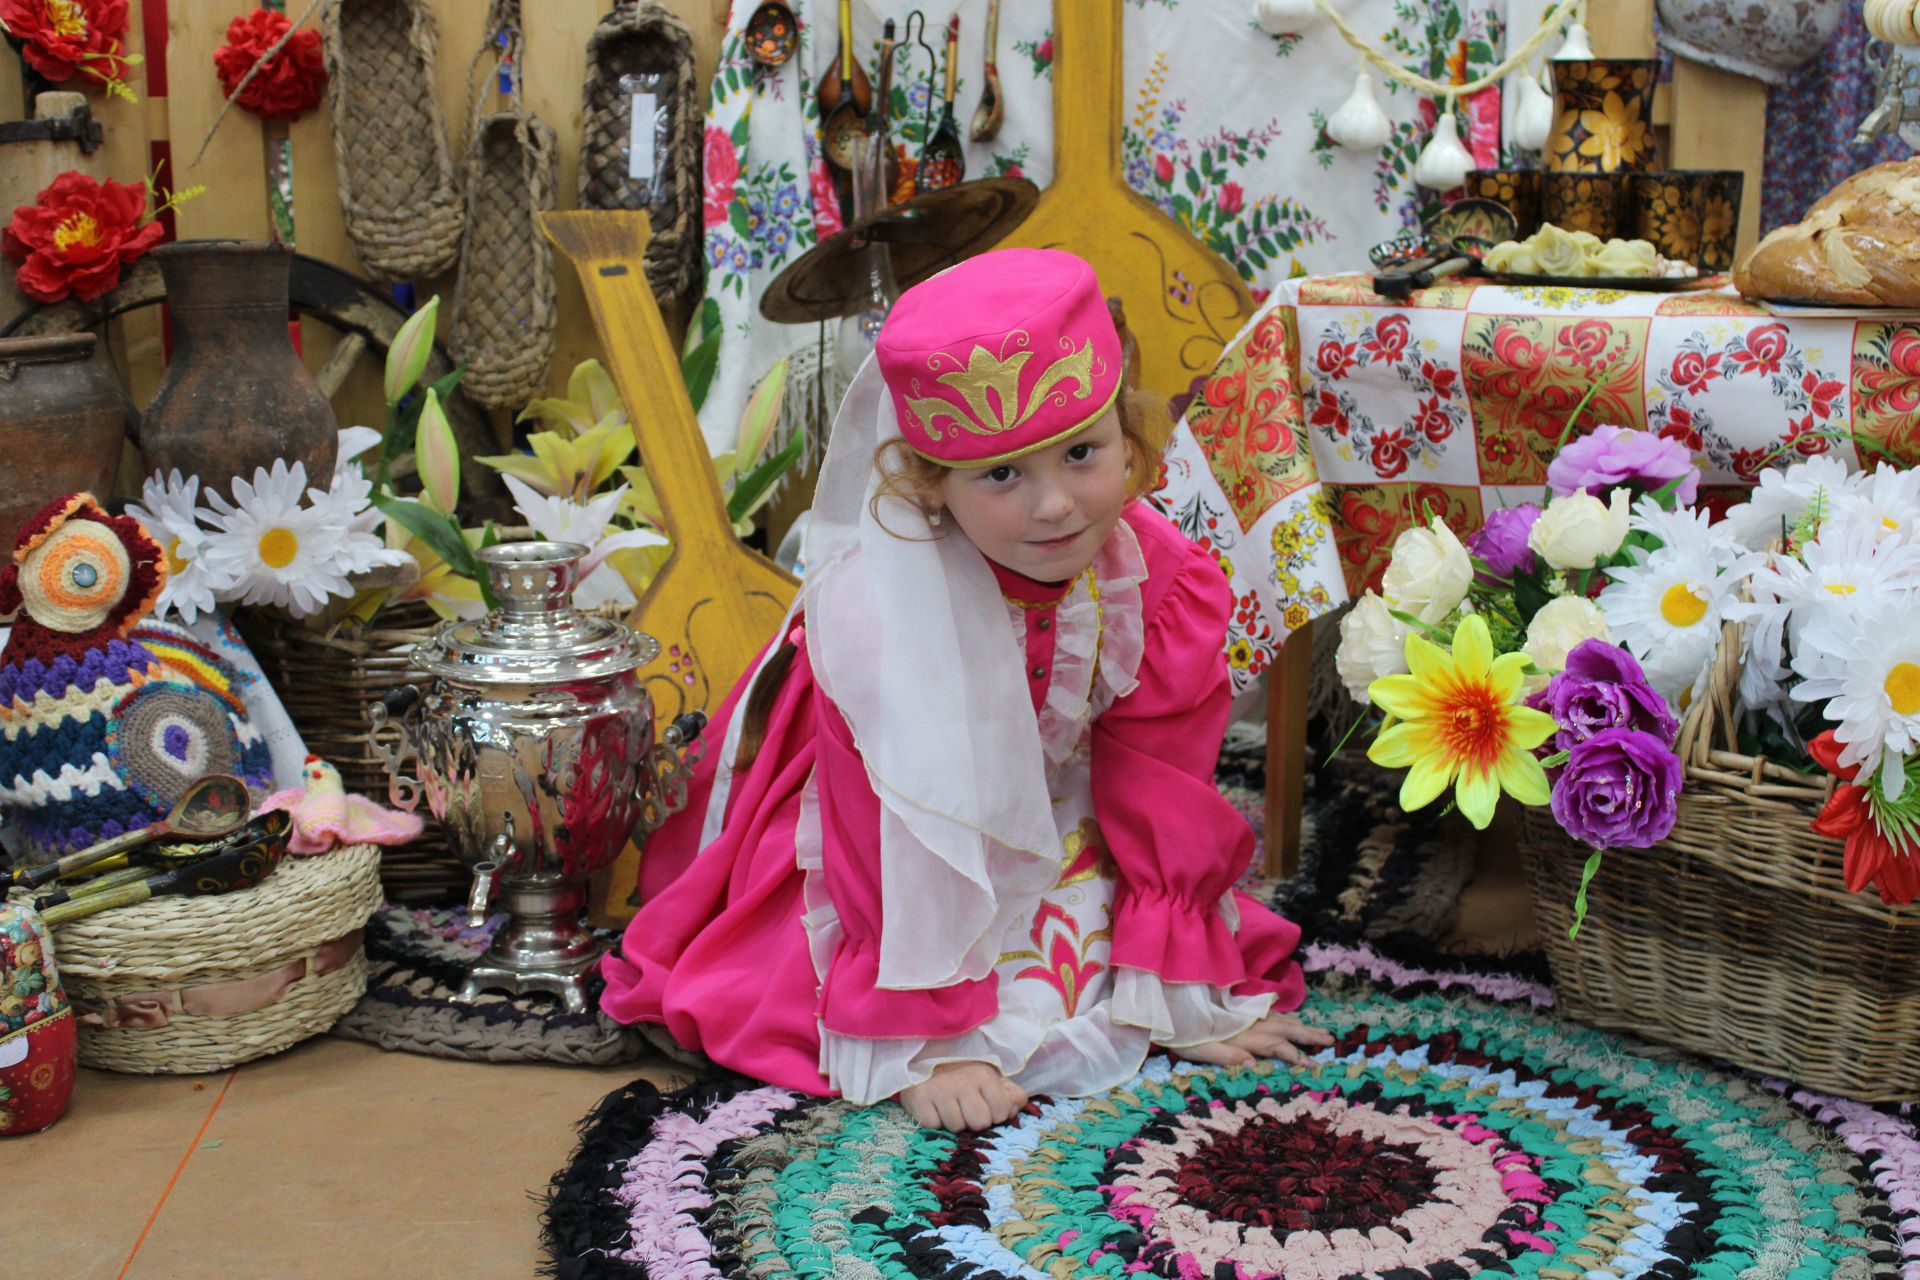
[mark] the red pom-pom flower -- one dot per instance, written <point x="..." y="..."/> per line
<point x="60" y="38"/>
<point x="291" y="82"/>
<point x="76" y="236"/>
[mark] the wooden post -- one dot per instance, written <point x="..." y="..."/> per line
<point x="1720" y="122"/>
<point x="1289" y="683"/>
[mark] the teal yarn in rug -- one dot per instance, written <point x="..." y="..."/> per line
<point x="1456" y="1129"/>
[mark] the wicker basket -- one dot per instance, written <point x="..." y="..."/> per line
<point x="191" y="984"/>
<point x="1736" y="937"/>
<point x="326" y="681"/>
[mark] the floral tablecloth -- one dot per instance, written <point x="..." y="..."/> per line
<point x="1337" y="417"/>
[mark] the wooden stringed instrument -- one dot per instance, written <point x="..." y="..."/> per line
<point x="715" y="602"/>
<point x="845" y="97"/>
<point x="1183" y="301"/>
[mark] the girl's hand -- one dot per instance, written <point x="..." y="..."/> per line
<point x="964" y="1095"/>
<point x="1280" y="1036"/>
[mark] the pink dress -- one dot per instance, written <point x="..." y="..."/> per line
<point x="758" y="937"/>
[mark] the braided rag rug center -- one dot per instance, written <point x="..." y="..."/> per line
<point x="1456" y="1129"/>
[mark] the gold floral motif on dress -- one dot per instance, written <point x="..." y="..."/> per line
<point x="990" y="386"/>
<point x="1064" y="965"/>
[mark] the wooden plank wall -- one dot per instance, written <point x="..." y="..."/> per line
<point x="234" y="165"/>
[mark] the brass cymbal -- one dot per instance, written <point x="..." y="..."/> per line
<point x="925" y="235"/>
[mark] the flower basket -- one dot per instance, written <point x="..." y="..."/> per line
<point x="193" y="984"/>
<point x="1736" y="937"/>
<point x="326" y="680"/>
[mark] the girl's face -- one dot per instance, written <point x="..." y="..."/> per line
<point x="1044" y="514"/>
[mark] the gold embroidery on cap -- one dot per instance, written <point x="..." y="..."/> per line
<point x="990" y="386"/>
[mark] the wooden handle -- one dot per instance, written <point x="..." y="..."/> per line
<point x="34" y="877"/>
<point x="94" y="903"/>
<point x="953" y="58"/>
<point x="993" y="28"/>
<point x="846" y="45"/>
<point x="1087" y="89"/>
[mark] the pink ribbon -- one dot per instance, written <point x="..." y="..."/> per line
<point x="144" y="1010"/>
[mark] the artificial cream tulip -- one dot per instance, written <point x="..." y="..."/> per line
<point x="1562" y="625"/>
<point x="1359" y="122"/>
<point x="1444" y="164"/>
<point x="1285" y="17"/>
<point x="1373" y="643"/>
<point x="1578" y="531"/>
<point x="436" y="456"/>
<point x="1532" y="112"/>
<point x="1576" y="47"/>
<point x="407" y="357"/>
<point x="1429" y="573"/>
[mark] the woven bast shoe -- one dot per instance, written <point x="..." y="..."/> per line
<point x="504" y="301"/>
<point x="397" y="193"/>
<point x="646" y="40"/>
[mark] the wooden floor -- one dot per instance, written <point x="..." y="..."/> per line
<point x="334" y="1159"/>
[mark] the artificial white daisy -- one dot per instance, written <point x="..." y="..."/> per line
<point x="561" y="520"/>
<point x="166" y="508"/>
<point x="1862" y="658"/>
<point x="1686" y="529"/>
<point x="1781" y="498"/>
<point x="1888" y="497"/>
<point x="1849" y="561"/>
<point x="347" y="506"/>
<point x="1668" y="611"/>
<point x="278" y="551"/>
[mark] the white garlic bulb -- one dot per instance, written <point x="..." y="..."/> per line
<point x="1577" y="47"/>
<point x="1444" y="164"/>
<point x="1285" y="17"/>
<point x="1532" y="112"/>
<point x="1360" y="123"/>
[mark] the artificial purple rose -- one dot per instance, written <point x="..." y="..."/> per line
<point x="1613" y="456"/>
<point x="1501" y="543"/>
<point x="1620" y="789"/>
<point x="1603" y="688"/>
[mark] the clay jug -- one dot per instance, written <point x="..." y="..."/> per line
<point x="236" y="395"/>
<point x="62" y="419"/>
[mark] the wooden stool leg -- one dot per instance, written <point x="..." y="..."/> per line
<point x="1289" y="682"/>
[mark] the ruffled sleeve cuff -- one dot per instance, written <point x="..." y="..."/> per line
<point x="1180" y="940"/>
<point x="1181" y="1014"/>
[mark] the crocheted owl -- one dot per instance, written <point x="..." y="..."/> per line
<point x="103" y="722"/>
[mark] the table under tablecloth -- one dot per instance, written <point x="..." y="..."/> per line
<point x="1337" y="417"/>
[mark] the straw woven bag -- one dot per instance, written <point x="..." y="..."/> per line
<point x="397" y="194"/>
<point x="1736" y="937"/>
<point x="190" y="984"/>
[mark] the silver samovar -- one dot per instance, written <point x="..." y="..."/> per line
<point x="534" y="743"/>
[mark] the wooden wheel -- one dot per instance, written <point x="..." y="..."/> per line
<point x="366" y="318"/>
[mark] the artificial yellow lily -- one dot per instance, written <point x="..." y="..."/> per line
<point x="1456" y="719"/>
<point x="569" y="468"/>
<point x="591" y="400"/>
<point x="439" y="587"/>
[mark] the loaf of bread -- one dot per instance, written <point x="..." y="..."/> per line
<point x="1859" y="246"/>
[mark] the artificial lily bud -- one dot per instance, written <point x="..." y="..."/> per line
<point x="407" y="357"/>
<point x="437" y="456"/>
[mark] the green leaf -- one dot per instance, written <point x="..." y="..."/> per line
<point x="709" y="318"/>
<point x="1193" y="182"/>
<point x="1530" y="595"/>
<point x="697" y="368"/>
<point x="742" y="129"/>
<point x="1580" y="899"/>
<point x="756" y="483"/>
<point x="737" y="215"/>
<point x="440" y="534"/>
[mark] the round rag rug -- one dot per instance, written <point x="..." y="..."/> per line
<point x="1456" y="1128"/>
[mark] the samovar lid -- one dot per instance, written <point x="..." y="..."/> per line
<point x="535" y="636"/>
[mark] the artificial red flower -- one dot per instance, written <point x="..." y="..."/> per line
<point x="77" y="235"/>
<point x="293" y="80"/>
<point x="1871" y="858"/>
<point x="61" y="38"/>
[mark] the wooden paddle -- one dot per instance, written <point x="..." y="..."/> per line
<point x="1184" y="301"/>
<point x="714" y="603"/>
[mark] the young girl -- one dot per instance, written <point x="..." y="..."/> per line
<point x="961" y="842"/>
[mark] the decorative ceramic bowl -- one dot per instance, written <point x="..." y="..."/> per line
<point x="1765" y="41"/>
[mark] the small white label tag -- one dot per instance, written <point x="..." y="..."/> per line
<point x="640" y="157"/>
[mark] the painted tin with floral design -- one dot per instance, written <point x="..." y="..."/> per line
<point x="1603" y="115"/>
<point x="37" y="1043"/>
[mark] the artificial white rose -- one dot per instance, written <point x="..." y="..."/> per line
<point x="1559" y="628"/>
<point x="1429" y="573"/>
<point x="1373" y="643"/>
<point x="1578" y="531"/>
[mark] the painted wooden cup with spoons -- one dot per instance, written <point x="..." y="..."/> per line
<point x="210" y="808"/>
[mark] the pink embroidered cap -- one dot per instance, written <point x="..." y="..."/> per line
<point x="1006" y="353"/>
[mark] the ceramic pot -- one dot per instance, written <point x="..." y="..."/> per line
<point x="62" y="419"/>
<point x="1602" y="115"/>
<point x="1765" y="41"/>
<point x="1587" y="202"/>
<point x="1666" y="213"/>
<point x="236" y="395"/>
<point x="1517" y="189"/>
<point x="1719" y="216"/>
